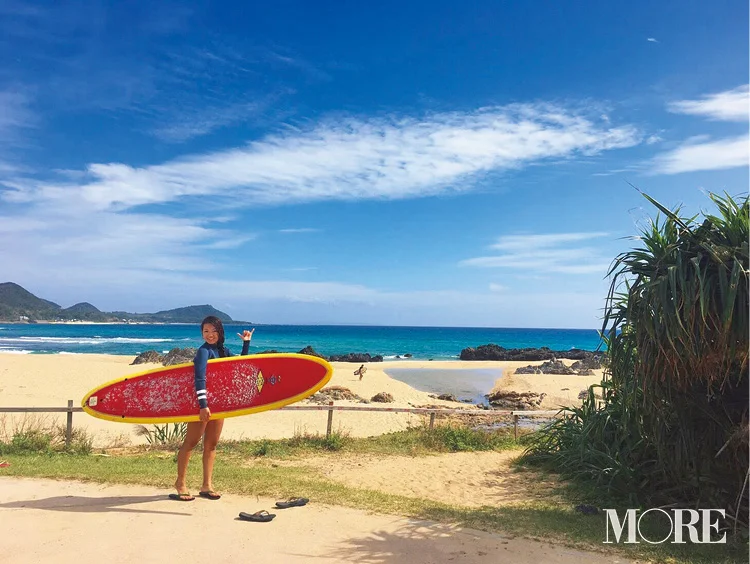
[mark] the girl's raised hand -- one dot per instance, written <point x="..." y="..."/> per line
<point x="246" y="335"/>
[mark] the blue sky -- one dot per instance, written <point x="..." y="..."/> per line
<point x="390" y="163"/>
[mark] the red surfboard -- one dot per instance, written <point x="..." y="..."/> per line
<point x="238" y="385"/>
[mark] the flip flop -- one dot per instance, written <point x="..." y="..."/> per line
<point x="261" y="516"/>
<point x="210" y="495"/>
<point x="4" y="464"/>
<point x="181" y="497"/>
<point x="292" y="502"/>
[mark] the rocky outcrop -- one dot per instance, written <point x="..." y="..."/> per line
<point x="508" y="399"/>
<point x="333" y="393"/>
<point x="147" y="357"/>
<point x="496" y="352"/>
<point x="308" y="350"/>
<point x="355" y="357"/>
<point x="382" y="397"/>
<point x="349" y="357"/>
<point x="175" y="356"/>
<point x="556" y="366"/>
<point x="178" y="356"/>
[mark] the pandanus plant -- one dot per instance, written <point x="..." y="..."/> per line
<point x="673" y="427"/>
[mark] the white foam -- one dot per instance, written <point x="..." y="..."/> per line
<point x="80" y="340"/>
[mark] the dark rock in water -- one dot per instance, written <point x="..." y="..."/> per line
<point x="382" y="397"/>
<point x="447" y="397"/>
<point x="311" y="351"/>
<point x="496" y="352"/>
<point x="147" y="357"/>
<point x="355" y="357"/>
<point x="516" y="400"/>
<point x="178" y="356"/>
<point x="271" y="351"/>
<point x="407" y="355"/>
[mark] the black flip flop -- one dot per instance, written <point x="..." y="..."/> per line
<point x="293" y="502"/>
<point x="261" y="516"/>
<point x="210" y="495"/>
<point x="181" y="497"/>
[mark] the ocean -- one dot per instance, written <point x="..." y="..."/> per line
<point x="423" y="343"/>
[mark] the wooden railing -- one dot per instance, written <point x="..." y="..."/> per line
<point x="330" y="408"/>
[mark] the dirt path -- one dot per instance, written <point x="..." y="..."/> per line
<point x="470" y="479"/>
<point x="71" y="522"/>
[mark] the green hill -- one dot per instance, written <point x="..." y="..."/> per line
<point x="18" y="304"/>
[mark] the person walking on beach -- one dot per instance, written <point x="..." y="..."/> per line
<point x="361" y="371"/>
<point x="207" y="428"/>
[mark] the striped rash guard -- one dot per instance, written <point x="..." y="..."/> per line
<point x="205" y="353"/>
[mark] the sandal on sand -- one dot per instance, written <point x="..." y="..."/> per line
<point x="261" y="516"/>
<point x="292" y="502"/>
<point x="181" y="497"/>
<point x="210" y="495"/>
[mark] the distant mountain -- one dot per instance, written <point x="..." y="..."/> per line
<point x="18" y="304"/>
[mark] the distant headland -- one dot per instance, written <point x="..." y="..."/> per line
<point x="18" y="305"/>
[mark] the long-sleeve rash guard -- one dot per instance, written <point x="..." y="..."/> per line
<point x="204" y="354"/>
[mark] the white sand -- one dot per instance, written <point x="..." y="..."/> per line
<point x="51" y="380"/>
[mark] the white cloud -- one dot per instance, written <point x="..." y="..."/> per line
<point x="652" y="40"/>
<point x="545" y="253"/>
<point x="350" y="159"/>
<point x="730" y="105"/>
<point x="299" y="230"/>
<point x="709" y="155"/>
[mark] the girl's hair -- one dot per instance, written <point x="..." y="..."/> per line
<point x="219" y="326"/>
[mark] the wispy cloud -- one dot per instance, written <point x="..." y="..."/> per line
<point x="652" y="40"/>
<point x="15" y="115"/>
<point x="730" y="105"/>
<point x="555" y="252"/>
<point x="352" y="159"/>
<point x="299" y="230"/>
<point x="710" y="155"/>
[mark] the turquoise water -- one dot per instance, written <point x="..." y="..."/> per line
<point x="423" y="343"/>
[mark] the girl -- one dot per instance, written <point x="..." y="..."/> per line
<point x="207" y="428"/>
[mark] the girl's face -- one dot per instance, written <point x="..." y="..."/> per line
<point x="210" y="334"/>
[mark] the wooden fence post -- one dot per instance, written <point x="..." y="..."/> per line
<point x="69" y="426"/>
<point x="330" y="419"/>
<point x="432" y="420"/>
<point x="515" y="426"/>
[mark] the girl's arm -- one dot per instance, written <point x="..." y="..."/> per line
<point x="199" y="367"/>
<point x="246" y="336"/>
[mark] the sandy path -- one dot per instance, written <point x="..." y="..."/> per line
<point x="471" y="479"/>
<point x="58" y="522"/>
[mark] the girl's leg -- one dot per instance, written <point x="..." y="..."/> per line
<point x="210" y="440"/>
<point x="193" y="436"/>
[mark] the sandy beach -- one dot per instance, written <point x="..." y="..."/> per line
<point x="51" y="380"/>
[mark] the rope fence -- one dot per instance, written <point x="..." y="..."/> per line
<point x="330" y="408"/>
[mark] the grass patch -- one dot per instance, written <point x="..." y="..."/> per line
<point x="414" y="441"/>
<point x="544" y="520"/>
<point x="40" y="434"/>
